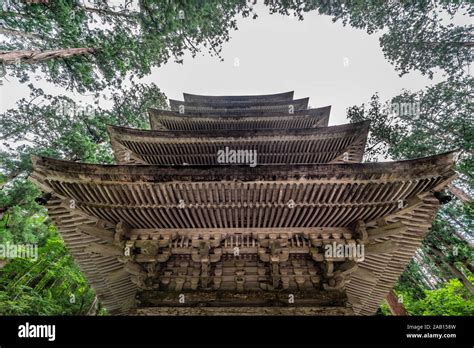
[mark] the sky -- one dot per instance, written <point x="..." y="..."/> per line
<point x="331" y="64"/>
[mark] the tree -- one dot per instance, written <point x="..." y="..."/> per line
<point x="23" y="219"/>
<point x="428" y="122"/>
<point x="423" y="123"/>
<point x="58" y="127"/>
<point x="50" y="285"/>
<point x="450" y="299"/>
<point x="87" y="48"/>
<point x="418" y="36"/>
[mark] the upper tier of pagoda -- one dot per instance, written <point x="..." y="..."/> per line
<point x="268" y="111"/>
<point x="335" y="144"/>
<point x="245" y="100"/>
<point x="208" y="121"/>
<point x="239" y="105"/>
<point x="265" y="124"/>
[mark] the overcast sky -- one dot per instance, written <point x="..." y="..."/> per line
<point x="331" y="64"/>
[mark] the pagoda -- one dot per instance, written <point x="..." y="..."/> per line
<point x="242" y="205"/>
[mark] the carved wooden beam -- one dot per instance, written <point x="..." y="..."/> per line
<point x="347" y="267"/>
<point x="273" y="250"/>
<point x="365" y="275"/>
<point x="381" y="248"/>
<point x="122" y="233"/>
<point x="97" y="232"/>
<point x="134" y="268"/>
<point x="141" y="281"/>
<point x="337" y="279"/>
<point x="334" y="280"/>
<point x="71" y="205"/>
<point x="316" y="255"/>
<point x="361" y="232"/>
<point x="103" y="249"/>
<point x="162" y="256"/>
<point x="386" y="230"/>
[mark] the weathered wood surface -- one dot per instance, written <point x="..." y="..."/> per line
<point x="282" y="120"/>
<point x="335" y="144"/>
<point x="232" y="108"/>
<point x="324" y="195"/>
<point x="439" y="166"/>
<point x="237" y="99"/>
<point x="160" y="229"/>
<point x="316" y="298"/>
<point x="241" y="311"/>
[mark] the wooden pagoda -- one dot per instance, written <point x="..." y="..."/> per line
<point x="171" y="230"/>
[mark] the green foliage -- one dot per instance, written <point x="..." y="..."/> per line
<point x="419" y="124"/>
<point x="412" y="281"/>
<point x="25" y="221"/>
<point x="452" y="298"/>
<point x="58" y="127"/>
<point x="423" y="123"/>
<point x="418" y="34"/>
<point x="443" y="234"/>
<point x="384" y="309"/>
<point x="127" y="39"/>
<point x="50" y="285"/>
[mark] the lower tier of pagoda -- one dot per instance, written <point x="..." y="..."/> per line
<point x="211" y="239"/>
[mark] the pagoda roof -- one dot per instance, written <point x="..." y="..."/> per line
<point x="175" y="204"/>
<point x="240" y="119"/>
<point x="237" y="99"/>
<point x="312" y="145"/>
<point x="262" y="106"/>
<point x="437" y="165"/>
<point x="324" y="194"/>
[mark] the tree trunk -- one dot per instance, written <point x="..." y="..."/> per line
<point x="396" y="308"/>
<point x="469" y="266"/>
<point x="455" y="272"/>
<point x="36" y="56"/>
